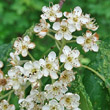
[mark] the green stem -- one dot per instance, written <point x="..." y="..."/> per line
<point x="98" y="74"/>
<point x="51" y="30"/>
<point x="51" y="36"/>
<point x="57" y="45"/>
<point x="71" y="41"/>
<point x="48" y="51"/>
<point x="9" y="97"/>
<point x="10" y="92"/>
<point x="31" y="56"/>
<point x="74" y="36"/>
<point x="63" y="43"/>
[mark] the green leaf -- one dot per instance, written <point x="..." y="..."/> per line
<point x="95" y="87"/>
<point x="78" y="87"/>
<point x="5" y="50"/>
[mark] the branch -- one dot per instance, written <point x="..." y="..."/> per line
<point x="61" y="3"/>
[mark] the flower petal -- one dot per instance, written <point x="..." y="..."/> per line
<point x="58" y="36"/>
<point x="68" y="66"/>
<point x="68" y="36"/>
<point x="80" y="40"/>
<point x="56" y="26"/>
<point x="52" y="56"/>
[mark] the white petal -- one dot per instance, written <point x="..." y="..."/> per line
<point x="53" y="75"/>
<point x="37" y="29"/>
<point x="68" y="66"/>
<point x="66" y="50"/>
<point x="80" y="40"/>
<point x="62" y="58"/>
<point x="27" y="38"/>
<point x="24" y="53"/>
<point x="85" y="48"/>
<point x="76" y="63"/>
<point x="42" y="62"/>
<point x="78" y="11"/>
<point x="58" y="36"/>
<point x="48" y="87"/>
<point x="95" y="47"/>
<point x="52" y="19"/>
<point x="56" y="7"/>
<point x="52" y="56"/>
<point x="71" y="28"/>
<point x="45" y="72"/>
<point x="64" y="22"/>
<point x="31" y="46"/>
<point x="78" y="26"/>
<point x="56" y="26"/>
<point x="45" y="9"/>
<point x="42" y="33"/>
<point x="28" y="65"/>
<point x="88" y="34"/>
<point x="36" y="64"/>
<point x="75" y="53"/>
<point x="59" y="14"/>
<point x="45" y="107"/>
<point x="68" y="36"/>
<point x="1" y="64"/>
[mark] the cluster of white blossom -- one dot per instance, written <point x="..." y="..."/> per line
<point x="54" y="96"/>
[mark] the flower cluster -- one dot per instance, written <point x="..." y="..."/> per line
<point x="57" y="68"/>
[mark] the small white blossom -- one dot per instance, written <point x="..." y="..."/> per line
<point x="15" y="59"/>
<point x="4" y="105"/>
<point x="70" y="101"/>
<point x="89" y="22"/>
<point x="4" y="82"/>
<point x="51" y="13"/>
<point x="64" y="30"/>
<point x="55" y="90"/>
<point x="66" y="77"/>
<point x="50" y="65"/>
<point x="16" y="78"/>
<point x="70" y="58"/>
<point x="53" y="105"/>
<point x="32" y="71"/>
<point x="22" y="45"/>
<point x="26" y="104"/>
<point x="74" y="17"/>
<point x="38" y="97"/>
<point x="1" y="64"/>
<point x="88" y="41"/>
<point x="42" y="28"/>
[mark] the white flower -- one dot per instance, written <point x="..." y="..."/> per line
<point x="53" y="105"/>
<point x="32" y="71"/>
<point x="74" y="17"/>
<point x="15" y="59"/>
<point x="66" y="77"/>
<point x="38" y="97"/>
<point x="42" y="28"/>
<point x="89" y="22"/>
<point x="16" y="78"/>
<point x="1" y="64"/>
<point x="4" y="82"/>
<point x="70" y="58"/>
<point x="55" y="90"/>
<point x="51" y="13"/>
<point x="22" y="45"/>
<point x="4" y="105"/>
<point x="70" y="101"/>
<point x="50" y="65"/>
<point x="64" y="30"/>
<point x="26" y="104"/>
<point x="88" y="41"/>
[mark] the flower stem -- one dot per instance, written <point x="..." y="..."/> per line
<point x="71" y="41"/>
<point x="61" y="3"/>
<point x="31" y="56"/>
<point x="53" y="38"/>
<point x="51" y="30"/>
<point x="98" y="74"/>
<point x="63" y="43"/>
<point x="10" y="92"/>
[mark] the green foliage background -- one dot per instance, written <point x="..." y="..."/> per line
<point x="16" y="16"/>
